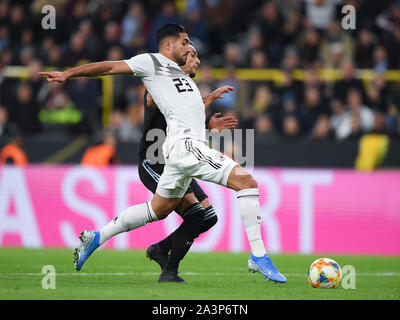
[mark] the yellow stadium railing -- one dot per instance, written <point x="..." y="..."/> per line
<point x="276" y="75"/>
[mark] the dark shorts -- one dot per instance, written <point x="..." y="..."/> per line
<point x="150" y="174"/>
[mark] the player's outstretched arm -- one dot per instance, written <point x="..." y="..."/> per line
<point x="216" y="94"/>
<point x="89" y="70"/>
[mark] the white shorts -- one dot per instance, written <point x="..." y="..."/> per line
<point x="189" y="159"/>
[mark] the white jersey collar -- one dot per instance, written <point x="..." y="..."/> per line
<point x="169" y="60"/>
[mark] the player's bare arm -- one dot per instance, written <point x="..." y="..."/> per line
<point x="150" y="102"/>
<point x="216" y="94"/>
<point x="103" y="68"/>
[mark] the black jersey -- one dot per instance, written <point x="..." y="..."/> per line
<point x="153" y="119"/>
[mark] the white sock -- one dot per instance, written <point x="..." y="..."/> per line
<point x="131" y="218"/>
<point x="249" y="209"/>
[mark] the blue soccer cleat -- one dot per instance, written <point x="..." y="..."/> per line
<point x="89" y="242"/>
<point x="265" y="266"/>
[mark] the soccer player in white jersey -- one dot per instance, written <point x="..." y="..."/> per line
<point x="185" y="150"/>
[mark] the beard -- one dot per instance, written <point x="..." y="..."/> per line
<point x="181" y="61"/>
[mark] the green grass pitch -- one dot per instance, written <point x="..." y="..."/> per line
<point x="110" y="274"/>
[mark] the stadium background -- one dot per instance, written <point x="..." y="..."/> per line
<point x="318" y="96"/>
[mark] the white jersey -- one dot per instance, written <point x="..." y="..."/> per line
<point x="175" y="94"/>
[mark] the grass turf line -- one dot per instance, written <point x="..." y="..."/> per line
<point x="111" y="274"/>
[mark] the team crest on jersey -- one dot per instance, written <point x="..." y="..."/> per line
<point x="220" y="157"/>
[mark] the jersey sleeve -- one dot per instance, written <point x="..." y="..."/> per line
<point x="141" y="65"/>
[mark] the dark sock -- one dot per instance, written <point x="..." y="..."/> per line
<point x="210" y="219"/>
<point x="185" y="235"/>
<point x="166" y="244"/>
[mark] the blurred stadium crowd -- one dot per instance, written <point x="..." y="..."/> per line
<point x="231" y="34"/>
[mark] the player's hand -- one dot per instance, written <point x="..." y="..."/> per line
<point x="218" y="93"/>
<point x="217" y="124"/>
<point x="55" y="76"/>
<point x="150" y="102"/>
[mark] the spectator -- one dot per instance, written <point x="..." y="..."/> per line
<point x="230" y="99"/>
<point x="121" y="82"/>
<point x="379" y="96"/>
<point x="270" y="24"/>
<point x="130" y="129"/>
<point x="291" y="127"/>
<point x="111" y="37"/>
<point x="393" y="49"/>
<point x="219" y="19"/>
<point x="263" y="100"/>
<point x="102" y="154"/>
<point x="258" y="60"/>
<point x="359" y="110"/>
<point x="77" y="17"/>
<point x="197" y="27"/>
<point x="356" y="120"/>
<point x="299" y="37"/>
<point x="364" y="49"/>
<point x="18" y="22"/>
<point x="392" y="121"/>
<point x="355" y="128"/>
<point x="4" y="37"/>
<point x="4" y="124"/>
<point x="265" y="131"/>
<point x="206" y="81"/>
<point x="293" y="27"/>
<point x="38" y="84"/>
<point x="254" y="42"/>
<point x="232" y="55"/>
<point x="55" y="57"/>
<point x="380" y="59"/>
<point x="321" y="130"/>
<point x="92" y="41"/>
<point x="339" y="120"/>
<point x="76" y="50"/>
<point x="291" y="89"/>
<point x="24" y="110"/>
<point x="290" y="60"/>
<point x="133" y="35"/>
<point x="379" y="123"/>
<point x="26" y="55"/>
<point x="58" y="114"/>
<point x="85" y="95"/>
<point x="312" y="79"/>
<point x="167" y="15"/>
<point x="348" y="82"/>
<point x="337" y="46"/>
<point x="308" y="46"/>
<point x="4" y="12"/>
<point x="13" y="152"/>
<point x="311" y="110"/>
<point x="320" y="14"/>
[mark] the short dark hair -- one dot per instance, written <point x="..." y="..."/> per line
<point x="168" y="30"/>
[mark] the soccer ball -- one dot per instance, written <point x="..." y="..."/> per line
<point x="324" y="273"/>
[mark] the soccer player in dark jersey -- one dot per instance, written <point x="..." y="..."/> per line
<point x="168" y="252"/>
